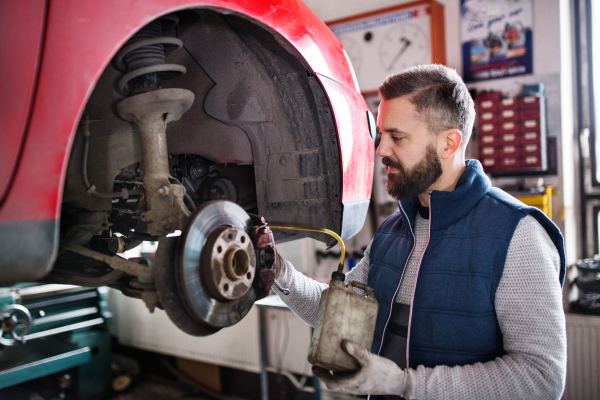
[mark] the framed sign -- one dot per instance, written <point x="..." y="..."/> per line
<point x="390" y="40"/>
<point x="496" y="38"/>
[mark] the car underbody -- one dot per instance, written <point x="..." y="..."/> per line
<point x="200" y="118"/>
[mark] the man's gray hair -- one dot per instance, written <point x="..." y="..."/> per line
<point x="440" y="97"/>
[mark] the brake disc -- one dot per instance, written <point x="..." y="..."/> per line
<point x="168" y="291"/>
<point x="214" y="266"/>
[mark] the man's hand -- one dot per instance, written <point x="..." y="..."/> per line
<point x="266" y="256"/>
<point x="377" y="375"/>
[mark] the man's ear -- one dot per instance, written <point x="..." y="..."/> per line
<point x="452" y="138"/>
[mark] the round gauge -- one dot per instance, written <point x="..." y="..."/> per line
<point x="404" y="46"/>
<point x="354" y="52"/>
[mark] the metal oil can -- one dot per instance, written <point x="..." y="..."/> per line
<point x="343" y="314"/>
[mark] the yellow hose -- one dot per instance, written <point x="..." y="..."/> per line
<point x="322" y="230"/>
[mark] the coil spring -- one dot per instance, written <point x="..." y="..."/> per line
<point x="142" y="59"/>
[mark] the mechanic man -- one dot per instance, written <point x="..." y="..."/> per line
<point x="468" y="279"/>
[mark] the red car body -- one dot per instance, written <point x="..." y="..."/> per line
<point x="55" y="52"/>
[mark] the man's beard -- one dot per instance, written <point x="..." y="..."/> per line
<point x="404" y="184"/>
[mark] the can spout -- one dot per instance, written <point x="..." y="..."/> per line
<point x="338" y="276"/>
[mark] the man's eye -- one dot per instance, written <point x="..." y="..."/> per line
<point x="397" y="138"/>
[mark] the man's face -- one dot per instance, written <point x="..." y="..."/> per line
<point x="407" y="149"/>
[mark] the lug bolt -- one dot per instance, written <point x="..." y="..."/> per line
<point x="164" y="191"/>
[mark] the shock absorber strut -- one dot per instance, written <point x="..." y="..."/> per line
<point x="151" y="107"/>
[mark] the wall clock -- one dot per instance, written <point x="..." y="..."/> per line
<point x="390" y="40"/>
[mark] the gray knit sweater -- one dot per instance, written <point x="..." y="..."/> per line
<point x="528" y="306"/>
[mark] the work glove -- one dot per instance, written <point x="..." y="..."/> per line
<point x="377" y="375"/>
<point x="266" y="256"/>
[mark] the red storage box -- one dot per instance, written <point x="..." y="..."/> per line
<point x="530" y="137"/>
<point x="489" y="164"/>
<point x="489" y="96"/>
<point x="510" y="151"/>
<point x="488" y="129"/>
<point x="487" y="105"/>
<point x="510" y="138"/>
<point x="531" y="150"/>
<point x="529" y="114"/>
<point x="488" y="117"/>
<point x="489" y="140"/>
<point x="532" y="162"/>
<point x="508" y="115"/>
<point x="529" y="102"/>
<point x="508" y="127"/>
<point x="488" y="151"/>
<point x="530" y="125"/>
<point x="510" y="163"/>
<point x="509" y="103"/>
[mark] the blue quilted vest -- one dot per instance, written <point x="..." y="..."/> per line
<point x="453" y="320"/>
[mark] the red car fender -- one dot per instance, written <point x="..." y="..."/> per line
<point x="356" y="145"/>
<point x="22" y="32"/>
<point x="81" y="39"/>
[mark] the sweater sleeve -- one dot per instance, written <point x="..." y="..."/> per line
<point x="305" y="293"/>
<point x="530" y="313"/>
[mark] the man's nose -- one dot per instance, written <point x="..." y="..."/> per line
<point x="383" y="150"/>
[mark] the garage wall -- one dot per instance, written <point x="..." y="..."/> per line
<point x="546" y="33"/>
<point x="335" y="9"/>
<point x="552" y="66"/>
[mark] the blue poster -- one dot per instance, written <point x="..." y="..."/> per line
<point x="496" y="38"/>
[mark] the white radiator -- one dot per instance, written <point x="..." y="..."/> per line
<point x="583" y="358"/>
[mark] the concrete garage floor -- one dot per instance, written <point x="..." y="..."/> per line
<point x="154" y="388"/>
<point x="156" y="377"/>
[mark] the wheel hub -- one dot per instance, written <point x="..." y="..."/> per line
<point x="227" y="263"/>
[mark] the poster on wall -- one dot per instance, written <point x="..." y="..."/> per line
<point x="496" y="38"/>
